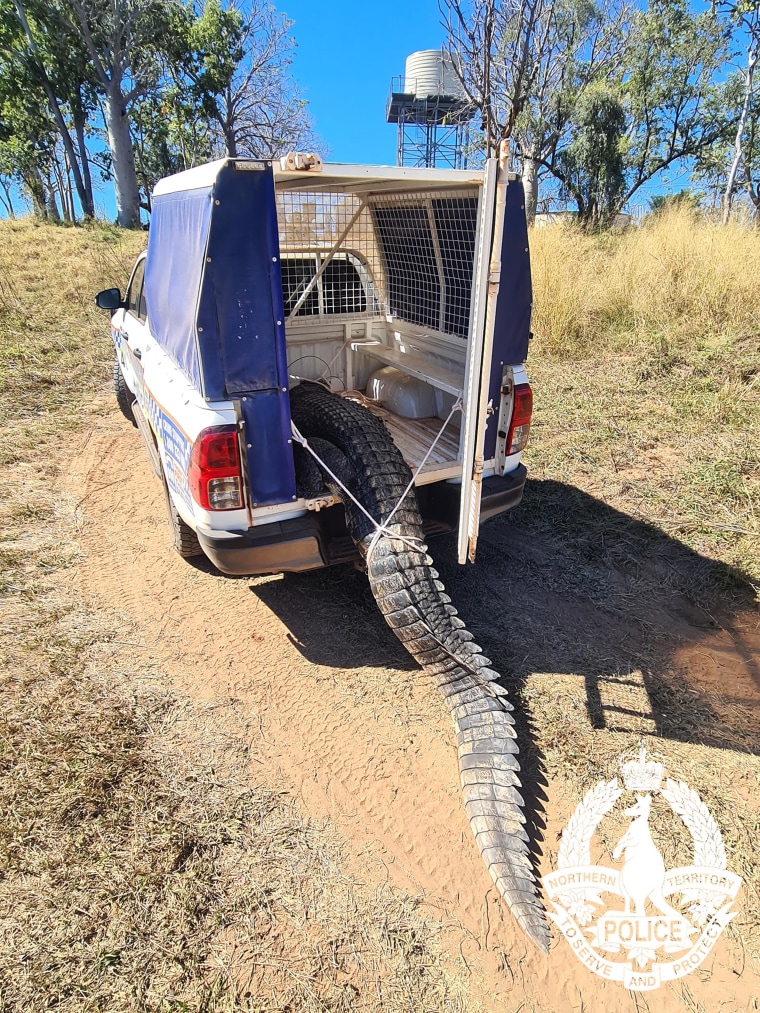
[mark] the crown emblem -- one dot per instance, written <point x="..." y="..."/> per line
<point x="640" y="773"/>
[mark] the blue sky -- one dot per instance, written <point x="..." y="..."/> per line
<point x="347" y="54"/>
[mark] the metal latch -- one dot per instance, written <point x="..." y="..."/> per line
<point x="301" y="160"/>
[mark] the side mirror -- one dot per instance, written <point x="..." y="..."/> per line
<point x="108" y="299"/>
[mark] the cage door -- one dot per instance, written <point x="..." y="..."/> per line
<point x="482" y="311"/>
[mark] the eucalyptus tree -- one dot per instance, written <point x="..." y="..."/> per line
<point x="27" y="131"/>
<point x="751" y="155"/>
<point x="744" y="20"/>
<point x="582" y="44"/>
<point x="593" y="164"/>
<point x="239" y="69"/>
<point x="492" y="44"/>
<point x="526" y="63"/>
<point x="126" y="42"/>
<point x="666" y="101"/>
<point x="41" y="63"/>
<point x="170" y="133"/>
<point x="671" y="90"/>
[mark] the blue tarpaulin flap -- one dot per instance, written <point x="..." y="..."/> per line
<point x="269" y="456"/>
<point x="214" y="296"/>
<point x="241" y="324"/>
<point x="179" y="231"/>
<point x="241" y="302"/>
<point x="513" y="305"/>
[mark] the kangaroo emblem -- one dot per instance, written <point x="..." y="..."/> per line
<point x="643" y="875"/>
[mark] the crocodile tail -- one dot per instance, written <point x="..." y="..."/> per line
<point x="412" y="599"/>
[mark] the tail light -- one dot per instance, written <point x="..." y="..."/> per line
<point x="216" y="481"/>
<point x="519" y="427"/>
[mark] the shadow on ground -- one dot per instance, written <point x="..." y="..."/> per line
<point x="566" y="584"/>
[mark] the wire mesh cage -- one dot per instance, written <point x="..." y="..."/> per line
<point x="408" y="256"/>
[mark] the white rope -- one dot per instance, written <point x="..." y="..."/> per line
<point x="340" y="351"/>
<point x="300" y="438"/>
<point x="414" y="543"/>
<point x="381" y="530"/>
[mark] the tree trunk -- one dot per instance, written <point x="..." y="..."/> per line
<point x="122" y="160"/>
<point x="71" y="211"/>
<point x="7" y="200"/>
<point x="226" y="119"/>
<point x="530" y="186"/>
<point x="88" y="208"/>
<point x="37" y="191"/>
<point x="61" y="172"/>
<point x="727" y="197"/>
<point x="55" y="108"/>
<point x="53" y="214"/>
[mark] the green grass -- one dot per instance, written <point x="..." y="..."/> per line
<point x="672" y="440"/>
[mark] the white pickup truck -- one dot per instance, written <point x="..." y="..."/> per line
<point x="326" y="363"/>
<point x="408" y="289"/>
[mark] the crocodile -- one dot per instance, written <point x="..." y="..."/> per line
<point x="354" y="448"/>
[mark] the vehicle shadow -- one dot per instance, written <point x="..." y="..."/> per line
<point x="567" y="585"/>
<point x="666" y="640"/>
<point x="333" y="620"/>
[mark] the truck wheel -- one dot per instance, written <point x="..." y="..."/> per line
<point x="358" y="449"/>
<point x="124" y="396"/>
<point x="184" y="538"/>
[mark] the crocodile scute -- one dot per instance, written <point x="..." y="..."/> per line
<point x="360" y="452"/>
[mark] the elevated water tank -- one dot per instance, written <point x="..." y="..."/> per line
<point x="431" y="72"/>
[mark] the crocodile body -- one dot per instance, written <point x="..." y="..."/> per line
<point x="358" y="449"/>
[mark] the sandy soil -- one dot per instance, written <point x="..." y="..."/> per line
<point x="340" y="715"/>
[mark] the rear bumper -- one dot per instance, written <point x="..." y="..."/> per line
<point x="440" y="502"/>
<point x="321" y="539"/>
<point x="283" y="547"/>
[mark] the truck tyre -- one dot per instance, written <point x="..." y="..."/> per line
<point x="411" y="598"/>
<point x="124" y="396"/>
<point x="184" y="538"/>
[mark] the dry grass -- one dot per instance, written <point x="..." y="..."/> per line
<point x="676" y="279"/>
<point x="141" y="872"/>
<point x="646" y="368"/>
<point x="643" y="514"/>
<point x="53" y="347"/>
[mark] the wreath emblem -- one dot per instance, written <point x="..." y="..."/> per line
<point x="652" y="917"/>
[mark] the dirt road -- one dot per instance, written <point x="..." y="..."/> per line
<point x="599" y="643"/>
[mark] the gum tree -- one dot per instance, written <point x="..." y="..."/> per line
<point x="593" y="165"/>
<point x="239" y="75"/>
<point x="125" y="41"/>
<point x="744" y="19"/>
<point x="42" y="64"/>
<point x="526" y="65"/>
